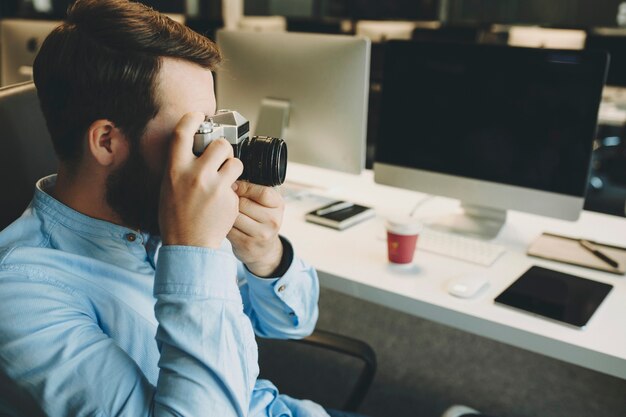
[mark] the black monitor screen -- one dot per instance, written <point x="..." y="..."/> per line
<point x="517" y="116"/>
<point x="381" y="10"/>
<point x="616" y="47"/>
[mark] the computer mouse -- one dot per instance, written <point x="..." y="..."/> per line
<point x="467" y="286"/>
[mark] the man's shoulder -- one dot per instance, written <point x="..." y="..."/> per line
<point x="26" y="236"/>
<point x="30" y="276"/>
<point x="26" y="252"/>
<point x="25" y="266"/>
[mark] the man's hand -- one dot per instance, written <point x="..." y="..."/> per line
<point x="255" y="233"/>
<point x="198" y="205"/>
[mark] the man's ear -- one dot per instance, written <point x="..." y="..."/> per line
<point x="106" y="143"/>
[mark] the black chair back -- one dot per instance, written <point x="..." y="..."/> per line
<point x="26" y="152"/>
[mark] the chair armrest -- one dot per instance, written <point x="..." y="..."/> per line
<point x="351" y="347"/>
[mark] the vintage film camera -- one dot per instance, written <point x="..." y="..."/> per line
<point x="264" y="158"/>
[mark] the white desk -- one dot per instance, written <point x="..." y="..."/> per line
<point x="354" y="262"/>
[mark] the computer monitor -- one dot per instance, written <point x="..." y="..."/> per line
<point x="20" y="41"/>
<point x="497" y="127"/>
<point x="287" y="8"/>
<point x="458" y="34"/>
<point x="327" y="25"/>
<point x="538" y="37"/>
<point x="9" y="8"/>
<point x="309" y="89"/>
<point x="614" y="42"/>
<point x="390" y="9"/>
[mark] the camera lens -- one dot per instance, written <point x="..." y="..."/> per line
<point x="264" y="160"/>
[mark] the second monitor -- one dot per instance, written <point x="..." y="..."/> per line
<point x="310" y="90"/>
<point x="20" y="40"/>
<point x="498" y="128"/>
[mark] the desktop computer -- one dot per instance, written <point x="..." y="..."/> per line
<point x="310" y="90"/>
<point x="609" y="177"/>
<point x="613" y="41"/>
<point x="497" y="127"/>
<point x="9" y="8"/>
<point x="388" y="9"/>
<point x="448" y="33"/>
<point x="20" y="41"/>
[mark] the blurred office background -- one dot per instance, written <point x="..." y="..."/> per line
<point x="485" y="21"/>
<point x="423" y="366"/>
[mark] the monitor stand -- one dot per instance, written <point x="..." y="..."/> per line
<point x="475" y="221"/>
<point x="273" y="118"/>
<point x="272" y="121"/>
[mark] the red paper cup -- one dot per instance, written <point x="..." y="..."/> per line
<point x="402" y="237"/>
<point x="400" y="248"/>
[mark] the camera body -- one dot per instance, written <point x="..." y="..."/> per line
<point x="230" y="125"/>
<point x="264" y="158"/>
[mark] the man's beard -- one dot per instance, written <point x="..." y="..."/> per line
<point x="133" y="191"/>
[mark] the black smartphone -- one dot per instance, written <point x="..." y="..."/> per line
<point x="340" y="214"/>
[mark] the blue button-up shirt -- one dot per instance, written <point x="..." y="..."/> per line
<point x="83" y="300"/>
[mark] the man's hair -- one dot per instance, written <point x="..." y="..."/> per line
<point x="103" y="63"/>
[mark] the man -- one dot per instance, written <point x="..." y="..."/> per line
<point x="136" y="237"/>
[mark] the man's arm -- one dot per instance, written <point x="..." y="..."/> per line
<point x="52" y="347"/>
<point x="280" y="292"/>
<point x="283" y="306"/>
<point x="197" y="209"/>
<point x="208" y="352"/>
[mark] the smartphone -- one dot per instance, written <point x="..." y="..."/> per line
<point x="340" y="214"/>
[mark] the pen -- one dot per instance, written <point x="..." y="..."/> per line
<point x="587" y="245"/>
<point x="335" y="207"/>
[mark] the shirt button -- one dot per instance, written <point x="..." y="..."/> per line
<point x="131" y="237"/>
<point x="281" y="288"/>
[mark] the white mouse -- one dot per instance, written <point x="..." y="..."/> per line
<point x="467" y="286"/>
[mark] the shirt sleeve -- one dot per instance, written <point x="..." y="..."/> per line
<point x="281" y="307"/>
<point x="53" y="349"/>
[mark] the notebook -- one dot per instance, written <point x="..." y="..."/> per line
<point x="569" y="250"/>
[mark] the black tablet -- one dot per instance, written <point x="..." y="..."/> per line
<point x="563" y="297"/>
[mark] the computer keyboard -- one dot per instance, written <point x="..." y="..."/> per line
<point x="459" y="247"/>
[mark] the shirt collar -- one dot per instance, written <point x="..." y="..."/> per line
<point x="79" y="222"/>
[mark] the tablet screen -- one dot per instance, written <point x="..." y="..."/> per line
<point x="563" y="297"/>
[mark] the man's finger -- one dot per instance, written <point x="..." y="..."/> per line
<point x="237" y="236"/>
<point x="231" y="170"/>
<point x="248" y="226"/>
<point x="181" y="147"/>
<point x="218" y="152"/>
<point x="255" y="210"/>
<point x="266" y="196"/>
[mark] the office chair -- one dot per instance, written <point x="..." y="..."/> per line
<point x="330" y="369"/>
<point x="26" y="154"/>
